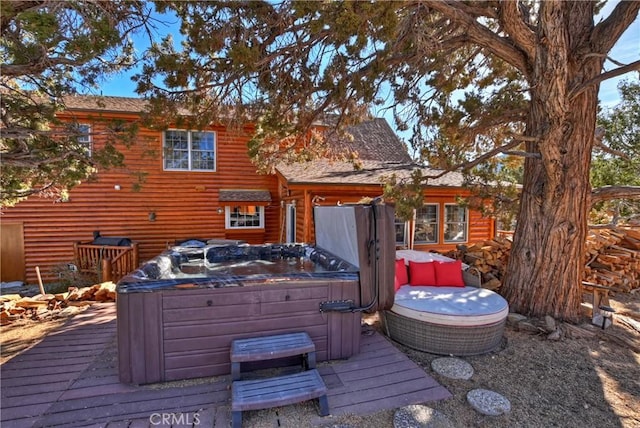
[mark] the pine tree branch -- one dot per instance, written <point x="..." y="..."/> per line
<point x="607" y="32"/>
<point x="478" y="33"/>
<point x="634" y="66"/>
<point x="599" y="144"/>
<point x="511" y="18"/>
<point x="614" y="192"/>
<point x="479" y="159"/>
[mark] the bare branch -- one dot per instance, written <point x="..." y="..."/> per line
<point x="522" y="35"/>
<point x="614" y="192"/>
<point x="523" y="154"/>
<point x="634" y="66"/>
<point x="481" y="35"/>
<point x="599" y="144"/>
<point x="607" y="33"/>
<point x="479" y="159"/>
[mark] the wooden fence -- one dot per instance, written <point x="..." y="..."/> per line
<point x="105" y="262"/>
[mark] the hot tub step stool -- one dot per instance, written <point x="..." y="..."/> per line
<point x="277" y="391"/>
<point x="272" y="347"/>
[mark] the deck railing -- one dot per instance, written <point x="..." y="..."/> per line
<point x="107" y="263"/>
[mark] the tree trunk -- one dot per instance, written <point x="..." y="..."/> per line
<point x="547" y="257"/>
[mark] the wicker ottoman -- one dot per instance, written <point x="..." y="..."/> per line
<point x="447" y="320"/>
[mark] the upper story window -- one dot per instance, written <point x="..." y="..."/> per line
<point x="427" y="224"/>
<point x="456" y="223"/>
<point x="189" y="150"/>
<point x="244" y="217"/>
<point x="84" y="137"/>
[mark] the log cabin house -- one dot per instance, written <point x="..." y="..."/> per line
<point x="201" y="184"/>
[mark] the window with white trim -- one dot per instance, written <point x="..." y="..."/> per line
<point x="84" y="137"/>
<point x="427" y="224"/>
<point x="456" y="223"/>
<point x="400" y="227"/>
<point x="189" y="150"/>
<point x="244" y="217"/>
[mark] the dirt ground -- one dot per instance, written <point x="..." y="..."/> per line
<point x="590" y="381"/>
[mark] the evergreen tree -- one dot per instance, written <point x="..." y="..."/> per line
<point x="50" y="50"/>
<point x="472" y="79"/>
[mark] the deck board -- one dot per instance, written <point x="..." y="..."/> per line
<point x="70" y="379"/>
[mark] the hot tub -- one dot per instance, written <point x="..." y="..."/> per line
<point x="179" y="312"/>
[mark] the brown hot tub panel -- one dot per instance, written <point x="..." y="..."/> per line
<point x="179" y="312"/>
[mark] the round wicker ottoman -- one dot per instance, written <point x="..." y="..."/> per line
<point x="447" y="320"/>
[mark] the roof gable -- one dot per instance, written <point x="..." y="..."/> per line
<point x="380" y="153"/>
<point x="374" y="140"/>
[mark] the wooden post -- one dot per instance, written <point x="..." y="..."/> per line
<point x="106" y="271"/>
<point x="134" y="249"/>
<point x="40" y="281"/>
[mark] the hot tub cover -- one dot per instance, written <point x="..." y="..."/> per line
<point x="452" y="306"/>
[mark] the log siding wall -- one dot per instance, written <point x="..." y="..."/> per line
<point x="184" y="202"/>
<point x="479" y="228"/>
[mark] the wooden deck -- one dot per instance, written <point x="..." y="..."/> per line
<point x="70" y="379"/>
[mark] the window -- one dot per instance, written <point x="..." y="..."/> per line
<point x="244" y="217"/>
<point x="455" y="226"/>
<point x="84" y="137"/>
<point x="427" y="224"/>
<point x="189" y="150"/>
<point x="400" y="227"/>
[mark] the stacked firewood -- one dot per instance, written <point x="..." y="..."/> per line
<point x="489" y="257"/>
<point x="47" y="306"/>
<point x="612" y="258"/>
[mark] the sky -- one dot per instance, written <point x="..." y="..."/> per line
<point x="625" y="51"/>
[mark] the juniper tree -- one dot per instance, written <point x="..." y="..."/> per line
<point x="470" y="79"/>
<point x="50" y="50"/>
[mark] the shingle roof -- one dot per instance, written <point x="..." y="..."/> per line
<point x="374" y="140"/>
<point x="243" y="195"/>
<point x="380" y="153"/>
<point x="372" y="172"/>
<point x="105" y="103"/>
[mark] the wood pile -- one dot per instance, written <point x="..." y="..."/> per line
<point x="612" y="258"/>
<point x="46" y="306"/>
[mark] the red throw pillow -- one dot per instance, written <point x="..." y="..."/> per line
<point x="401" y="274"/>
<point x="422" y="273"/>
<point x="449" y="274"/>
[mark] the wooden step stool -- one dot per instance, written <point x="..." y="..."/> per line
<point x="279" y="390"/>
<point x="272" y="347"/>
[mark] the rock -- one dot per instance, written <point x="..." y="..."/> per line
<point x="526" y="326"/>
<point x="488" y="402"/>
<point x="453" y="368"/>
<point x="419" y="416"/>
<point x="555" y="335"/>
<point x="514" y="318"/>
<point x="550" y="323"/>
